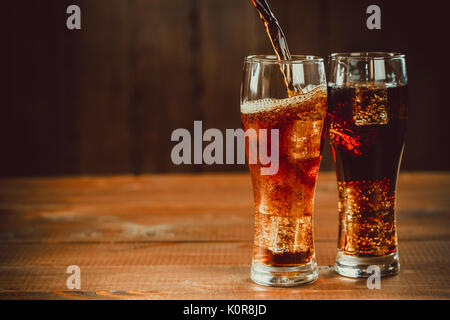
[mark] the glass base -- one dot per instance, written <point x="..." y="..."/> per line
<point x="357" y="267"/>
<point x="277" y="276"/>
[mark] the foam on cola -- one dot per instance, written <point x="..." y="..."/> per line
<point x="270" y="104"/>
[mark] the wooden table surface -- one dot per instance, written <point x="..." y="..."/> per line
<point x="190" y="237"/>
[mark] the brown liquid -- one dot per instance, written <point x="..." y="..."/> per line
<point x="283" y="202"/>
<point x="279" y="44"/>
<point x="367" y="129"/>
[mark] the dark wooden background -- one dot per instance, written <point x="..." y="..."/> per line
<point x="105" y="99"/>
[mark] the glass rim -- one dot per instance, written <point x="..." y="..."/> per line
<point x="273" y="59"/>
<point x="370" y="55"/>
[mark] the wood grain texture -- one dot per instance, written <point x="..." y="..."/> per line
<point x="189" y="237"/>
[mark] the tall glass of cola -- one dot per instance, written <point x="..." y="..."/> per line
<point x="367" y="100"/>
<point x="283" y="251"/>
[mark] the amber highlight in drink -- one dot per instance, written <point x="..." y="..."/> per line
<point x="367" y="131"/>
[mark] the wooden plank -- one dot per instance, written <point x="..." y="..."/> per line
<point x="189" y="237"/>
<point x="184" y="208"/>
<point x="204" y="271"/>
